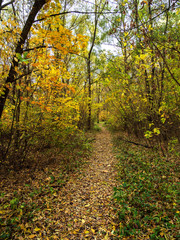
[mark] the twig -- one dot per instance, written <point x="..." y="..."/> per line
<point x="138" y="144"/>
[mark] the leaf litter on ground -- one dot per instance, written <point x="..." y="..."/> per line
<point x="55" y="205"/>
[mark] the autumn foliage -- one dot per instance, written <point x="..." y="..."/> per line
<point x="65" y="67"/>
<point x="42" y="106"/>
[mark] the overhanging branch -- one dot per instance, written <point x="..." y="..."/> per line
<point x="76" y="12"/>
<point x="6" y="4"/>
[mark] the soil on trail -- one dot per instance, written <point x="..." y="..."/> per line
<point x="85" y="210"/>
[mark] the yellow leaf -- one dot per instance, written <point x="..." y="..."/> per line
<point x="31" y="236"/>
<point x="37" y="229"/>
<point x="92" y="230"/>
<point x="18" y="87"/>
<point x="76" y="231"/>
<point x="56" y="237"/>
<point x="15" y="59"/>
<point x="106" y="237"/>
<point x="113" y="223"/>
<point x="3" y="212"/>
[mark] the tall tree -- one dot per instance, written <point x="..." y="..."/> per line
<point x="99" y="7"/>
<point x="38" y="4"/>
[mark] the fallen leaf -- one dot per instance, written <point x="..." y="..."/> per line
<point x="31" y="236"/>
<point x="105" y="171"/>
<point x="92" y="230"/>
<point x="37" y="229"/>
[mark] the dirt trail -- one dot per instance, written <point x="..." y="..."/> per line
<point x="84" y="210"/>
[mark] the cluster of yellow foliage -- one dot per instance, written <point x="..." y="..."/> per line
<point x="44" y="97"/>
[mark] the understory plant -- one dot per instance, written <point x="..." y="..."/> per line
<point x="146" y="198"/>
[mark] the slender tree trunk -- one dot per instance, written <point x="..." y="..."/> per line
<point x="0" y="5"/>
<point x="98" y="100"/>
<point x="153" y="86"/>
<point x="89" y="92"/>
<point x="89" y="71"/>
<point x="164" y="56"/>
<point x="18" y="111"/>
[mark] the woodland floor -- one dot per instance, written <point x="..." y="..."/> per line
<point x="132" y="194"/>
<point x="81" y="208"/>
<point x="85" y="210"/>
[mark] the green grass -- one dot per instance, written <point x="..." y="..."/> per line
<point x="96" y="128"/>
<point x="146" y="199"/>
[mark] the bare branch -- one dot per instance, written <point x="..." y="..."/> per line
<point x="162" y="56"/>
<point x="23" y="75"/>
<point x="76" y="12"/>
<point x="6" y="4"/>
<point x="34" y="48"/>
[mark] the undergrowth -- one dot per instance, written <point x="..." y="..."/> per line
<point x="97" y="128"/>
<point x="20" y="208"/>
<point x="24" y="203"/>
<point x="146" y="198"/>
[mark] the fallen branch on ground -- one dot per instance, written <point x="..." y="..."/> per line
<point x="138" y="144"/>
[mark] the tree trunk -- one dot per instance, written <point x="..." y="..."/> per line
<point x="89" y="92"/>
<point x="89" y="69"/>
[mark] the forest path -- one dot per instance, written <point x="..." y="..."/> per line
<point x="84" y="209"/>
